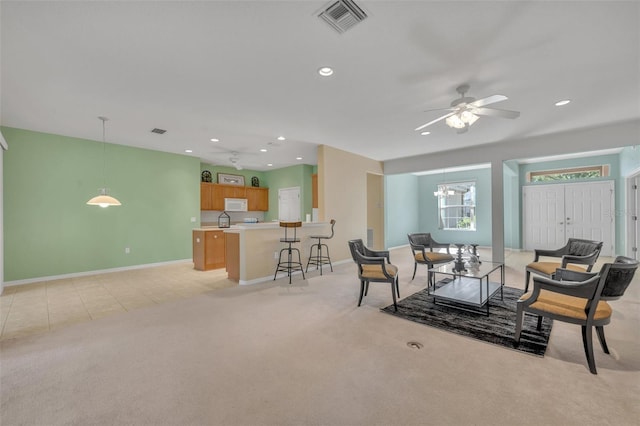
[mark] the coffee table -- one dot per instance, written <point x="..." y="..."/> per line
<point x="471" y="288"/>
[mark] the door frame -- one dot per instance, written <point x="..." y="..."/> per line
<point x="632" y="204"/>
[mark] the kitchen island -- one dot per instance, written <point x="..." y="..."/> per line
<point x="252" y="249"/>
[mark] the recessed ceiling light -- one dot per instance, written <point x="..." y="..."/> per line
<point x="425" y="133"/>
<point x="298" y="158"/>
<point x="563" y="102"/>
<point x="263" y="150"/>
<point x="188" y="150"/>
<point x="269" y="165"/>
<point x="325" y="71"/>
<point x="281" y="138"/>
<point x="215" y="140"/>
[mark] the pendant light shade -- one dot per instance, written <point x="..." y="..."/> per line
<point x="103" y="199"/>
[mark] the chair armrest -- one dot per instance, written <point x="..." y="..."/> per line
<point x="569" y="275"/>
<point x="589" y="259"/>
<point x="435" y="244"/>
<point x="584" y="289"/>
<point x="377" y="253"/>
<point x="550" y="253"/>
<point x="374" y="260"/>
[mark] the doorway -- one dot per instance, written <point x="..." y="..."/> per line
<point x="289" y="204"/>
<point x="375" y="211"/>
<point x="554" y="213"/>
<point x="633" y="211"/>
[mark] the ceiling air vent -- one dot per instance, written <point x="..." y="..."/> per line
<point x="342" y="15"/>
<point x="158" y="131"/>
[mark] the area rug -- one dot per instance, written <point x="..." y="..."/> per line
<point x="497" y="328"/>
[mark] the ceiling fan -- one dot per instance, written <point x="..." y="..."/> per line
<point x="234" y="157"/>
<point x="466" y="110"/>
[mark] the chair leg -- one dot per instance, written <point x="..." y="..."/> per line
<point x="366" y="288"/>
<point x="397" y="286"/>
<point x="587" y="341"/>
<point x="361" y="292"/>
<point x="519" y="318"/>
<point x="328" y="257"/>
<point x="539" y="325"/>
<point x="526" y="281"/>
<point x="415" y="267"/>
<point x="393" y="293"/>
<point x="603" y="341"/>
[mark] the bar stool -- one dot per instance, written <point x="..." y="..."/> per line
<point x="289" y="265"/>
<point x="319" y="259"/>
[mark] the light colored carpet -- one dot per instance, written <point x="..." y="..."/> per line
<point x="304" y="354"/>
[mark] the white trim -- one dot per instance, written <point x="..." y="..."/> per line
<point x="3" y="142"/>
<point x="96" y="272"/>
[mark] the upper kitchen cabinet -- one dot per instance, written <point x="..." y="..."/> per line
<point x="212" y="196"/>
<point x="257" y="198"/>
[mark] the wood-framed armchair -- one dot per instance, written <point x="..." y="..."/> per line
<point x="578" y="298"/>
<point x="374" y="266"/>
<point x="422" y="245"/>
<point x="576" y="252"/>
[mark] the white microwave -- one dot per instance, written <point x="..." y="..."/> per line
<point x="235" y="204"/>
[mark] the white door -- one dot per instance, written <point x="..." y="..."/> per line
<point x="289" y="204"/>
<point x="543" y="209"/>
<point x="554" y="213"/>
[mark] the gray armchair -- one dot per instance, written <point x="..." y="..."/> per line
<point x="374" y="266"/>
<point x="578" y="298"/>
<point x="422" y="245"/>
<point x="575" y="252"/>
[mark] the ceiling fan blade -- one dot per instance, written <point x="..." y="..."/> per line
<point x="493" y="112"/>
<point x="441" y="109"/>
<point x="488" y="100"/>
<point x="434" y="121"/>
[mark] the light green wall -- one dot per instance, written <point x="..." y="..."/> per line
<point x="289" y="177"/>
<point x="402" y="212"/>
<point x="629" y="160"/>
<point x="429" y="207"/>
<point x="512" y="212"/>
<point x="248" y="174"/>
<point x="48" y="228"/>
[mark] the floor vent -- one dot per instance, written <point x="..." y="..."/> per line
<point x="158" y="131"/>
<point x="415" y="345"/>
<point x="342" y="15"/>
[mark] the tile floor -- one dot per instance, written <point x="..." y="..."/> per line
<point x="40" y="307"/>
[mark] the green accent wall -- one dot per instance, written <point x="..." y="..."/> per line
<point x="289" y="177"/>
<point x="48" y="228"/>
<point x="248" y="174"/>
<point x="402" y="211"/>
<point x="629" y="160"/>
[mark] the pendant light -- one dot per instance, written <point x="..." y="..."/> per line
<point x="104" y="199"/>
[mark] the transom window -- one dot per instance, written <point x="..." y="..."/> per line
<point x="457" y="206"/>
<point x="587" y="172"/>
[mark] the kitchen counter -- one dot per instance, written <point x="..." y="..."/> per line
<point x="254" y="248"/>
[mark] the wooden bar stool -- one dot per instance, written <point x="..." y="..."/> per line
<point x="289" y="265"/>
<point x="319" y="259"/>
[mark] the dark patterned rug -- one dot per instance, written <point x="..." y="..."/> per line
<point x="497" y="328"/>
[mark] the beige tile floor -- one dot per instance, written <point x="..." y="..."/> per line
<point x="40" y="307"/>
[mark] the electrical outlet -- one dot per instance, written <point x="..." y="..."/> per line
<point x="193" y="219"/>
<point x="127" y="250"/>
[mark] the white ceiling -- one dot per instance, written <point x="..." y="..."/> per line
<point x="245" y="72"/>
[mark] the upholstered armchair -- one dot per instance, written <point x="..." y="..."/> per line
<point x="374" y="266"/>
<point x="422" y="245"/>
<point x="575" y="252"/>
<point x="578" y="298"/>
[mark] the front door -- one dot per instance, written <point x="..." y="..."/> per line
<point x="554" y="213"/>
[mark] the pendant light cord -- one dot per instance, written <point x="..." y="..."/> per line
<point x="104" y="153"/>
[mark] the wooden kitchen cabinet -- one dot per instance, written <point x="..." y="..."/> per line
<point x="208" y="249"/>
<point x="257" y="199"/>
<point x="212" y="196"/>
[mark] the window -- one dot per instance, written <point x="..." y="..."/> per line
<point x="457" y="206"/>
<point x="588" y="172"/>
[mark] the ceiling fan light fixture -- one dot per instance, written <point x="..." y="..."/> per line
<point x="455" y="121"/>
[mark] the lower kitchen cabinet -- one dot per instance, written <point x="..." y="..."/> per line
<point x="208" y="249"/>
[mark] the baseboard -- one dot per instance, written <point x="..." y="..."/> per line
<point x="270" y="277"/>
<point x="87" y="273"/>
